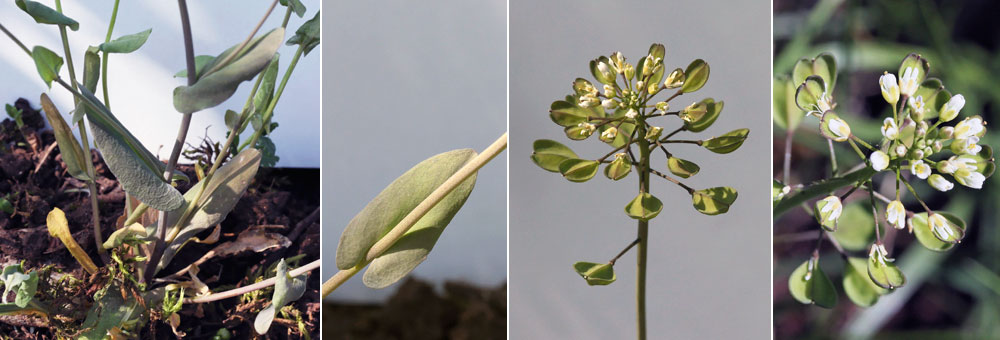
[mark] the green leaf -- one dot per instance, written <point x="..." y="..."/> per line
<point x="567" y="113"/>
<point x="859" y="288"/>
<point x="287" y="289"/>
<point x="714" y="201"/>
<point x="219" y="198"/>
<point x="6" y="206"/>
<point x="15" y="280"/>
<point x="269" y="156"/>
<point x="91" y="69"/>
<point x="308" y="35"/>
<point x="728" y="142"/>
<point x="578" y="170"/>
<point x="26" y="291"/>
<point x="928" y="238"/>
<point x="48" y="64"/>
<point x="814" y="289"/>
<point x="682" y="168"/>
<point x="398" y="199"/>
<point x="296" y="6"/>
<point x="618" y="168"/>
<point x="549" y="153"/>
<point x="696" y="76"/>
<point x="265" y="92"/>
<point x="110" y="311"/>
<point x="917" y="62"/>
<point x="886" y="275"/>
<point x="644" y="207"/>
<point x="15" y="114"/>
<point x="218" y="83"/>
<point x="199" y="65"/>
<point x="126" y="44"/>
<point x="787" y="114"/>
<point x="69" y="147"/>
<point x="596" y="274"/>
<point x="700" y="122"/>
<point x="45" y="14"/>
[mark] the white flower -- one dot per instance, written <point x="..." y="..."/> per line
<point x="938" y="182"/>
<point x="610" y="133"/>
<point x="631" y="114"/>
<point x="587" y="129"/>
<point x="831" y="208"/>
<point x="920" y="169"/>
<point x="890" y="90"/>
<point x="917" y="107"/>
<point x="947" y="166"/>
<point x="654" y="133"/>
<point x="971" y="126"/>
<point x="674" y="80"/>
<point x="900" y="150"/>
<point x="879" y="160"/>
<point x="968" y="145"/>
<point x="889" y="129"/>
<point x="941" y="226"/>
<point x="663" y="106"/>
<point x="970" y="178"/>
<point x="609" y="104"/>
<point x="604" y="68"/>
<point x="824" y="103"/>
<point x="589" y="100"/>
<point x="946" y="133"/>
<point x="895" y="213"/>
<point x="809" y="269"/>
<point x="617" y="60"/>
<point x="951" y="108"/>
<point x="841" y="131"/>
<point x="609" y="91"/>
<point x="908" y="82"/>
<point x="880" y="254"/>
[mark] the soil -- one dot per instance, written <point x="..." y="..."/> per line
<point x="33" y="177"/>
<point x="417" y="311"/>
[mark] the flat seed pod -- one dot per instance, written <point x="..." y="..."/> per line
<point x="859" y="288"/>
<point x="549" y="153"/>
<point x="217" y="85"/>
<point x="596" y="274"/>
<point x="714" y="201"/>
<point x="728" y="142"/>
<point x="644" y="207"/>
<point x="696" y="76"/>
<point x="578" y="170"/>
<point x="397" y="200"/>
<point x="812" y="286"/>
<point x="928" y="238"/>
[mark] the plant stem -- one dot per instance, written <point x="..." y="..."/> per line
<point x="104" y="86"/>
<point x="787" y="162"/>
<point x="288" y="15"/>
<point x="643" y="236"/>
<point x="823" y="187"/>
<point x="239" y="49"/>
<point x="417" y="213"/>
<point x="266" y="116"/>
<point x="627" y="248"/>
<point x="161" y="228"/>
<point x="249" y="288"/>
<point x="95" y="210"/>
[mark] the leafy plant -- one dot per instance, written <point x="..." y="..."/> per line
<point x="145" y="243"/>
<point x="915" y="140"/>
<point x="396" y="231"/>
<point x="622" y="117"/>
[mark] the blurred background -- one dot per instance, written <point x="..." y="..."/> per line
<point x="947" y="295"/>
<point x="707" y="275"/>
<point x="141" y="83"/>
<point x="404" y="81"/>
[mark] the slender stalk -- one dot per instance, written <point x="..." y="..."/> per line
<point x="288" y="15"/>
<point x="787" y="163"/>
<point x="266" y="116"/>
<point x="627" y="248"/>
<point x="161" y="228"/>
<point x="95" y="210"/>
<point x="239" y="49"/>
<point x="249" y="288"/>
<point x="104" y="86"/>
<point x="417" y="213"/>
<point x="643" y="236"/>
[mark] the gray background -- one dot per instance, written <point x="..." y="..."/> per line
<point x="709" y="276"/>
<point x="403" y="81"/>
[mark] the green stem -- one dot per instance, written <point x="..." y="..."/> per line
<point x="266" y="117"/>
<point x="104" y="87"/>
<point x="821" y="188"/>
<point x="91" y="185"/>
<point x="288" y="15"/>
<point x="643" y="236"/>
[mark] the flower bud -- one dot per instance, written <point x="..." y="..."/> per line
<point x="900" y="150"/>
<point x="841" y="131"/>
<point x="609" y="91"/>
<point x="675" y="79"/>
<point x="918" y="154"/>
<point x="651" y="89"/>
<point x="937" y="146"/>
<point x="587" y="129"/>
<point x="609" y="134"/>
<point x="830" y="209"/>
<point x="889" y="128"/>
<point x="890" y="90"/>
<point x="908" y="81"/>
<point x="895" y="214"/>
<point x="971" y="126"/>
<point x="951" y="108"/>
<point x="617" y="61"/>
<point x="588" y="100"/>
<point x="631" y="114"/>
<point x="609" y="104"/>
<point x="639" y="85"/>
<point x="946" y="167"/>
<point x="946" y="133"/>
<point x="967" y="146"/>
<point x="629" y="71"/>
<point x="938" y="182"/>
<point x="663" y="106"/>
<point x="917" y="108"/>
<point x="654" y="133"/>
<point x="879" y="160"/>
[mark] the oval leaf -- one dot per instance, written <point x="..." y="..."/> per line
<point x="126" y="44"/>
<point x="728" y="142"/>
<point x="812" y="287"/>
<point x="596" y="274"/>
<point x="696" y="76"/>
<point x="135" y="177"/>
<point x="287" y="289"/>
<point x="644" y="207"/>
<point x="218" y="84"/>
<point x="714" y="201"/>
<point x="47" y="63"/>
<point x="45" y="14"/>
<point x="397" y="200"/>
<point x="578" y="170"/>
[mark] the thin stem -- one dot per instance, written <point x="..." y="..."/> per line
<point x="833" y="158"/>
<point x="95" y="210"/>
<point x="682" y="128"/>
<point x="878" y="233"/>
<point x="698" y="142"/>
<point x="239" y="49"/>
<point x="266" y="116"/>
<point x="672" y="180"/>
<point x="249" y="288"/>
<point x="863" y="143"/>
<point x="16" y="41"/>
<point x="858" y="150"/>
<point x="786" y="168"/>
<point x="627" y="248"/>
<point x="914" y="192"/>
<point x="288" y="15"/>
<point x="417" y="213"/>
<point x="104" y="61"/>
<point x="614" y="151"/>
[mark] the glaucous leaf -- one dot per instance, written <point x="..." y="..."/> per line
<point x="287" y="289"/>
<point x="644" y="207"/>
<point x="46" y="15"/>
<point x="714" y="201"/>
<point x="135" y="176"/>
<point x="859" y="288"/>
<point x="682" y="168"/>
<point x="219" y="83"/>
<point x="297" y="7"/>
<point x="111" y="311"/>
<point x="928" y="238"/>
<point x="69" y="147"/>
<point x="265" y="92"/>
<point x="398" y="199"/>
<point x="696" y="76"/>
<point x="308" y="35"/>
<point x="728" y="142"/>
<point x="596" y="274"/>
<point x="126" y="44"/>
<point x="199" y="65"/>
<point x="47" y="63"/>
<point x="549" y="154"/>
<point x="578" y="170"/>
<point x="812" y="286"/>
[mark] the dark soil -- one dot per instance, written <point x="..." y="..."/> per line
<point x="33" y="177"/>
<point x="417" y="311"/>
